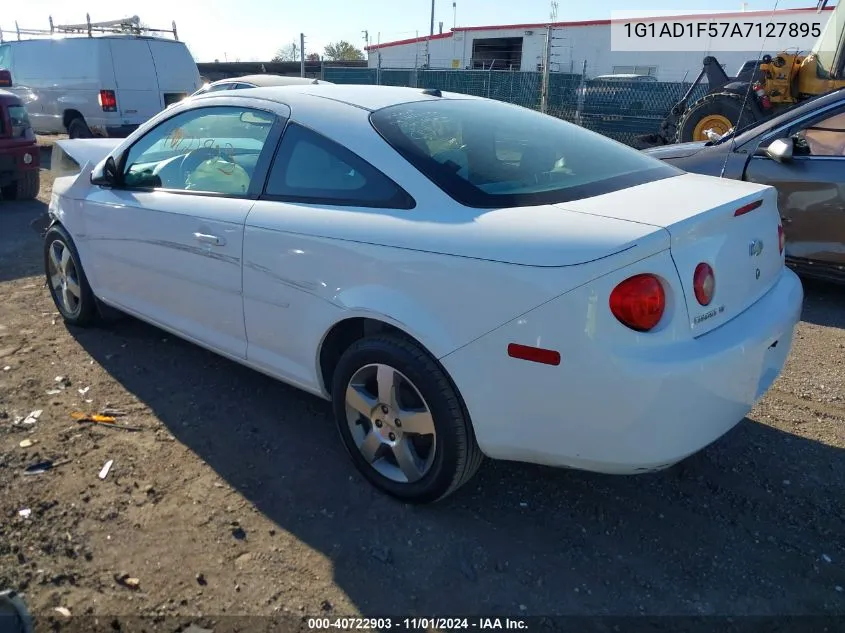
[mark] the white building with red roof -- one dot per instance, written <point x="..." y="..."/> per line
<point x="598" y="43"/>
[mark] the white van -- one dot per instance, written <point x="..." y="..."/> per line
<point x="97" y="86"/>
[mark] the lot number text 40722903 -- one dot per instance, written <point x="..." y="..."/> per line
<point x="409" y="624"/>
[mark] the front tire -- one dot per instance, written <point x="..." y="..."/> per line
<point x="66" y="279"/>
<point x="26" y="188"/>
<point x="719" y="112"/>
<point x="402" y="421"/>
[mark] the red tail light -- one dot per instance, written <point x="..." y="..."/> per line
<point x="108" y="101"/>
<point x="704" y="283"/>
<point x="781" y="239"/>
<point x="5" y="78"/>
<point x="639" y="302"/>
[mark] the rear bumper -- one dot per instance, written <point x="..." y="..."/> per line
<point x="620" y="405"/>
<point x="17" y="160"/>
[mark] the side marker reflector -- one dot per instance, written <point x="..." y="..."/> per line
<point x="534" y="354"/>
<point x="748" y="207"/>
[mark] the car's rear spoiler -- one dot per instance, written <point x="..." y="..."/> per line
<point x="70" y="156"/>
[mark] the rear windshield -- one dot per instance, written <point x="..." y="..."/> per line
<point x="488" y="154"/>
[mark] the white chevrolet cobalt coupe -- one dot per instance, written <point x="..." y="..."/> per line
<point x="458" y="276"/>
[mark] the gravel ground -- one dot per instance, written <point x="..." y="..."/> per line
<point x="235" y="496"/>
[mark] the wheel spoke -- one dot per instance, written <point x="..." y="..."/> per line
<point x="65" y="259"/>
<point x="386" y="379"/>
<point x="73" y="287"/>
<point x="68" y="299"/>
<point x="56" y="280"/>
<point x="360" y="400"/>
<point x="417" y="421"/>
<point x="54" y="258"/>
<point x="370" y="446"/>
<point x="407" y="460"/>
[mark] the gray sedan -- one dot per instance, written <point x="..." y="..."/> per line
<point x="801" y="152"/>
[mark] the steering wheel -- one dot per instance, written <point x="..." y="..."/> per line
<point x="195" y="158"/>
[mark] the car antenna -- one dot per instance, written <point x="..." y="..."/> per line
<point x="745" y="100"/>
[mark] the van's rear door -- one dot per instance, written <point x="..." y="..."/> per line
<point x="138" y="94"/>
<point x="178" y="75"/>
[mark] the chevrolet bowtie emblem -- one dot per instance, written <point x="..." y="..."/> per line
<point x="755" y="248"/>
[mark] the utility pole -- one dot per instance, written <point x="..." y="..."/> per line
<point x="544" y="88"/>
<point x="432" y="18"/>
<point x="454" y="14"/>
<point x="428" y="42"/>
<point x="302" y="54"/>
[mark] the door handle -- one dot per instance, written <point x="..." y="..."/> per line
<point x="209" y="239"/>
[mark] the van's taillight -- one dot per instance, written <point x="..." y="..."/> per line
<point x="5" y="79"/>
<point x="108" y="101"/>
<point x="639" y="302"/>
<point x="704" y="283"/>
<point x="781" y="239"/>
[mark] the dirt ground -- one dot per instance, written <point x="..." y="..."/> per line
<point x="235" y="496"/>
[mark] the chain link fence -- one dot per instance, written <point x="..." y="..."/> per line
<point x="622" y="110"/>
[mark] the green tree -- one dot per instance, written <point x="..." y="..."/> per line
<point x="344" y="51"/>
<point x="313" y="57"/>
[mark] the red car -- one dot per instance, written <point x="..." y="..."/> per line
<point x="19" y="158"/>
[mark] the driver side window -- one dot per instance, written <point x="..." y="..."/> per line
<point x="213" y="149"/>
<point x="824" y="137"/>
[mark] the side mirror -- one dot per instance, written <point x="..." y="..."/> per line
<point x="105" y="173"/>
<point x="781" y="150"/>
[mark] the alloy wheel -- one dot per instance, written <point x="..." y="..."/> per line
<point x="391" y="423"/>
<point x="64" y="278"/>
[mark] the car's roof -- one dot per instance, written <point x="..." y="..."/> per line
<point x="622" y="76"/>
<point x="358" y="96"/>
<point x="268" y="80"/>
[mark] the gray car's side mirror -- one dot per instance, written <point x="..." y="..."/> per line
<point x="105" y="173"/>
<point x="780" y="150"/>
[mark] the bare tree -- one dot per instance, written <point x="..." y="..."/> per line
<point x="343" y="50"/>
<point x="287" y="54"/>
<point x="312" y="57"/>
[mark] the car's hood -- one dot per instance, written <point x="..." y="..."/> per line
<point x="678" y="150"/>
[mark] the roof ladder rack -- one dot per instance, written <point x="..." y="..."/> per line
<point x="130" y="25"/>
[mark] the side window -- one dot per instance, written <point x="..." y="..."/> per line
<point x="311" y="168"/>
<point x="219" y="87"/>
<point x="211" y="149"/>
<point x="822" y="138"/>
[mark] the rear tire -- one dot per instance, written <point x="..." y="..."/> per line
<point x="78" y="128"/>
<point x="723" y="109"/>
<point x="444" y="453"/>
<point x="26" y="188"/>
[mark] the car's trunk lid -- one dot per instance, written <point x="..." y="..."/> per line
<point x="700" y="214"/>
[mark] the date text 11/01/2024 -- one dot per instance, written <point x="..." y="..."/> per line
<point x="723" y="29"/>
<point x="416" y="623"/>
